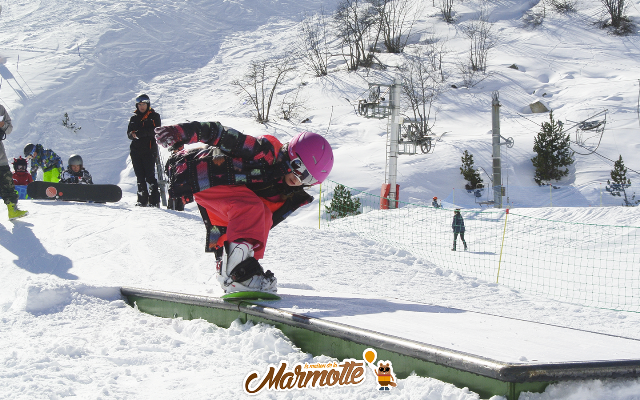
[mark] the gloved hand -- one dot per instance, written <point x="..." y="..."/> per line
<point x="167" y="136"/>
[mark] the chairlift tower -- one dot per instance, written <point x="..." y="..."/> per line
<point x="394" y="136"/>
<point x="498" y="189"/>
<point x="373" y="108"/>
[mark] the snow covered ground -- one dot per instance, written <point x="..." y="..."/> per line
<point x="66" y="331"/>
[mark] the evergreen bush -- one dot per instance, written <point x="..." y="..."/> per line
<point x="342" y="204"/>
<point x="553" y="152"/>
<point x="470" y="174"/>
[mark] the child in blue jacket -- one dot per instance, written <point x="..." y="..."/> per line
<point x="48" y="160"/>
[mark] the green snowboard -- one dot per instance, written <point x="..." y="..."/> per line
<point x="237" y="296"/>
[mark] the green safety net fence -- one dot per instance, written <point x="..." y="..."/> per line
<point x="588" y="264"/>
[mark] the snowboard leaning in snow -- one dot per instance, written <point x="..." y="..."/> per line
<point x="74" y="192"/>
<point x="250" y="296"/>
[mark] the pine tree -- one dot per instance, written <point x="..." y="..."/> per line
<point x="342" y="205"/>
<point x="553" y="152"/>
<point x="619" y="174"/>
<point x="468" y="171"/>
<point x="619" y="183"/>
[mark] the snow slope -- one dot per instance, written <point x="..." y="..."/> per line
<point x="65" y="329"/>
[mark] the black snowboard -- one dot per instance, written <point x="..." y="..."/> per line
<point x="74" y="192"/>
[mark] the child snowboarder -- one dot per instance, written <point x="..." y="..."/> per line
<point x="244" y="186"/>
<point x="75" y="172"/>
<point x="20" y="175"/>
<point x="435" y="203"/>
<point x="48" y="160"/>
<point x="458" y="228"/>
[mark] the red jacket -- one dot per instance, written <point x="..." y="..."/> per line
<point x="22" y="178"/>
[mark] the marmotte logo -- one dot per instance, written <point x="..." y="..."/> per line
<point x="384" y="371"/>
<point x="348" y="373"/>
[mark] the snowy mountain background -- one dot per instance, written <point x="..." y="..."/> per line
<point x="65" y="329"/>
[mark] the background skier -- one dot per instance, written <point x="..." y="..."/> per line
<point x="48" y="160"/>
<point x="143" y="150"/>
<point x="458" y="228"/>
<point x="7" y="190"/>
<point x="243" y="186"/>
<point x="75" y="172"/>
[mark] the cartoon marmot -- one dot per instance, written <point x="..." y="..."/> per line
<point x="385" y="376"/>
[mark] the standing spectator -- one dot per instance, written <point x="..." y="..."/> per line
<point x="458" y="228"/>
<point x="144" y="150"/>
<point x="48" y="160"/>
<point x="75" y="172"/>
<point x="7" y="190"/>
<point x="435" y="203"/>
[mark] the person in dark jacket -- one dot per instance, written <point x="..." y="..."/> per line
<point x="144" y="150"/>
<point x="244" y="186"/>
<point x="458" y="228"/>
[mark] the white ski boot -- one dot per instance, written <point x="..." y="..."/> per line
<point x="243" y="272"/>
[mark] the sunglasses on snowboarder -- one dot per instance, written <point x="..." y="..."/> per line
<point x="301" y="172"/>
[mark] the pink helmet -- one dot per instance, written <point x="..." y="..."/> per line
<point x="315" y="153"/>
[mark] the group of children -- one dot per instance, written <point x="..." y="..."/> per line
<point x="52" y="167"/>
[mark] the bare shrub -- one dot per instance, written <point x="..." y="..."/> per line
<point x="446" y="9"/>
<point x="470" y="77"/>
<point x="535" y="16"/>
<point x="422" y="85"/>
<point x="260" y="81"/>
<point x="397" y="18"/>
<point x="313" y="43"/>
<point x="620" y="23"/>
<point x="482" y="40"/>
<point x="292" y="104"/>
<point x="563" y="6"/>
<point x="357" y="27"/>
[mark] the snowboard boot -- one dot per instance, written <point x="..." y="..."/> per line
<point x="15" y="212"/>
<point x="154" y="195"/>
<point x="143" y="199"/>
<point x="465" y="247"/>
<point x="454" y="247"/>
<point x="243" y="272"/>
<point x="143" y="195"/>
<point x="175" y="204"/>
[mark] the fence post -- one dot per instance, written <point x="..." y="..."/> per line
<point x="320" y="207"/>
<point x="502" y="245"/>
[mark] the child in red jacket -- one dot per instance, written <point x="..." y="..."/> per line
<point x="20" y="175"/>
<point x="244" y="186"/>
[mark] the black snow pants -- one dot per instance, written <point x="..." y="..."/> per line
<point x="144" y="165"/>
